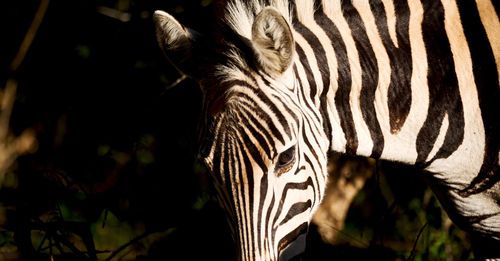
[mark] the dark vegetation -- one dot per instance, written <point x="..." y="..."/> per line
<point x="115" y="174"/>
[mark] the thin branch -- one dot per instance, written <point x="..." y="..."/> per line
<point x="352" y="238"/>
<point x="114" y="13"/>
<point x="179" y="80"/>
<point x="10" y="147"/>
<point x="30" y="35"/>
<point x="6" y="103"/>
<point x="124" y="246"/>
<point x="412" y="253"/>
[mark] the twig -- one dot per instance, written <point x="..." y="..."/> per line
<point x="179" y="80"/>
<point x="105" y="217"/>
<point x="124" y="246"/>
<point x="359" y="241"/>
<point x="114" y="13"/>
<point x="11" y="147"/>
<point x="6" y="104"/>
<point x="30" y="35"/>
<point x="412" y="253"/>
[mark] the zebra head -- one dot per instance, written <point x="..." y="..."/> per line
<point x="262" y="137"/>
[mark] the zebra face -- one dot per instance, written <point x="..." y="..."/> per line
<point x="262" y="138"/>
<point x="265" y="171"/>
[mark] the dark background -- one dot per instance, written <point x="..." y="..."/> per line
<point x="115" y="171"/>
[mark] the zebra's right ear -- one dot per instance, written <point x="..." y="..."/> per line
<point x="272" y="41"/>
<point x="176" y="41"/>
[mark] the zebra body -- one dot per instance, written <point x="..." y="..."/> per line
<point x="285" y="82"/>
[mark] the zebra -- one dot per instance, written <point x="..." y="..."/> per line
<point x="286" y="82"/>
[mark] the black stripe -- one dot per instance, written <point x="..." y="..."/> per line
<point x="298" y="170"/>
<point x="220" y="168"/>
<point x="250" y="185"/>
<point x="316" y="159"/>
<point x="317" y="196"/>
<point x="237" y="203"/>
<point x="271" y="106"/>
<point x="253" y="151"/>
<point x="305" y="104"/>
<point x="295" y="209"/>
<point x="369" y="76"/>
<point x="218" y="150"/>
<point x="322" y="63"/>
<point x="268" y="219"/>
<point x="344" y="77"/>
<point x="277" y="112"/>
<point x="307" y="68"/>
<point x="263" y="195"/>
<point x="295" y="186"/>
<point x="245" y="117"/>
<point x="290" y="237"/>
<point x="274" y="109"/>
<point x="285" y="104"/>
<point x="288" y="186"/>
<point x="224" y="146"/>
<point x="399" y="92"/>
<point x="344" y="80"/>
<point x="246" y="225"/>
<point x="259" y="126"/>
<point x="486" y="79"/>
<point x="444" y="95"/>
<point x="265" y="117"/>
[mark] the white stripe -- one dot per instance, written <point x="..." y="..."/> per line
<point x="383" y="64"/>
<point x="402" y="146"/>
<point x="466" y="161"/>
<point x="365" y="144"/>
<point x="440" y="138"/>
<point x="306" y="18"/>
<point x="338" y="141"/>
<point x="308" y="107"/>
<point x="391" y="20"/>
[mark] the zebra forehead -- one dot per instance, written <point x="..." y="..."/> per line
<point x="232" y="48"/>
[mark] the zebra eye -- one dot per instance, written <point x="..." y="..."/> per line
<point x="286" y="157"/>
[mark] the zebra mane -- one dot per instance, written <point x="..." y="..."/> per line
<point x="238" y="16"/>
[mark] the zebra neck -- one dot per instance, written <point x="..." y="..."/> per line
<point x="354" y="62"/>
<point x="390" y="82"/>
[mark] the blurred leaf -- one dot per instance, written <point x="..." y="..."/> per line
<point x="201" y="201"/>
<point x="68" y="214"/>
<point x="205" y="3"/>
<point x="179" y="9"/>
<point x="114" y="234"/>
<point x="10" y="180"/>
<point x="103" y="150"/>
<point x="145" y="157"/>
<point x="6" y="238"/>
<point x="83" y="51"/>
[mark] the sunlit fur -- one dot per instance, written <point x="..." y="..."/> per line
<point x="408" y="81"/>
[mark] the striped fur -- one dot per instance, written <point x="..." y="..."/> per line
<point x="410" y="81"/>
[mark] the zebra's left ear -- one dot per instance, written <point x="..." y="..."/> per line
<point x="176" y="42"/>
<point x="272" y="41"/>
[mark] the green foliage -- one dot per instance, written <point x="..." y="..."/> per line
<point x="6" y="239"/>
<point x="388" y="213"/>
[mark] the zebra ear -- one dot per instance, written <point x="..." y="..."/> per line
<point x="175" y="41"/>
<point x="272" y="41"/>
